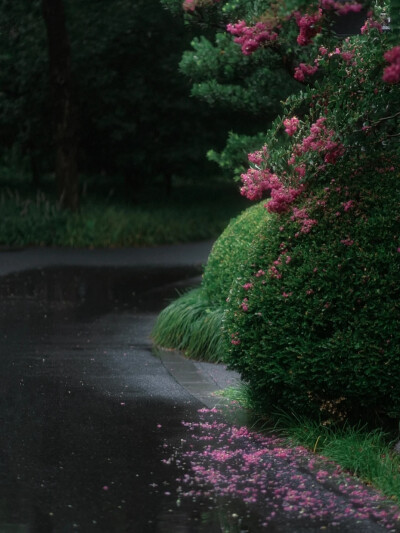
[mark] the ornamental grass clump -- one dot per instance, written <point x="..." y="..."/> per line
<point x="191" y="325"/>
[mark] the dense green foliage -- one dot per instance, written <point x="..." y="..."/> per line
<point x="250" y="88"/>
<point x="232" y="251"/>
<point x="311" y="306"/>
<point x="136" y="118"/>
<point x="324" y="334"/>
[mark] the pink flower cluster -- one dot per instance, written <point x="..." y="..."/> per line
<point x="347" y="56"/>
<point x="309" y="26"/>
<point x="291" y="125"/>
<point x="304" y="70"/>
<point x="273" y="271"/>
<point x="301" y="171"/>
<point x="320" y="140"/>
<point x="256" y="183"/>
<point x="191" y="5"/>
<point x="251" y="37"/>
<point x="282" y="198"/>
<point x="245" y="304"/>
<point x="234" y="339"/>
<point x="371" y="23"/>
<point x="340" y="8"/>
<point x="259" y="156"/>
<point x="347" y="242"/>
<point x="348" y="205"/>
<point x="391" y="74"/>
<point x="306" y="223"/>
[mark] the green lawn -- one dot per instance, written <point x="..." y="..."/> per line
<point x="192" y="212"/>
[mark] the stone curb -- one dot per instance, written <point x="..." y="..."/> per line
<point x="201" y="380"/>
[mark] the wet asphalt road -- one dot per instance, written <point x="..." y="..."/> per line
<point x="82" y="399"/>
<point x="88" y="414"/>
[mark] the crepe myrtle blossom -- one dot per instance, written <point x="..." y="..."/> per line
<point x="347" y="56"/>
<point x="347" y="242"/>
<point x="302" y="217"/>
<point x="309" y="26"/>
<point x="251" y="37"/>
<point x="391" y="74"/>
<point x="340" y="8"/>
<point x="291" y="125"/>
<point x="259" y="156"/>
<point x="191" y="5"/>
<point x="256" y="183"/>
<point x="234" y="339"/>
<point x="244" y="305"/>
<point x="282" y="198"/>
<point x="304" y="70"/>
<point x="348" y="205"/>
<point x="369" y="24"/>
<point x="320" y="139"/>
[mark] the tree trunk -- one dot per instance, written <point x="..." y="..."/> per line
<point x="64" y="108"/>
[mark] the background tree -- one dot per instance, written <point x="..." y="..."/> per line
<point x="25" y="113"/>
<point x="250" y="87"/>
<point x="137" y="122"/>
<point x="63" y="103"/>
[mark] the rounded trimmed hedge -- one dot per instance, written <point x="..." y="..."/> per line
<point x="232" y="251"/>
<point x="313" y="318"/>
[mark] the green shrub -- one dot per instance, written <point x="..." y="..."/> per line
<point x="232" y="251"/>
<point x="318" y="332"/>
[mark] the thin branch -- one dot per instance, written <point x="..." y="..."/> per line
<point x="385" y="118"/>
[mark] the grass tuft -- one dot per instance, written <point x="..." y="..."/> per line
<point x="189" y="324"/>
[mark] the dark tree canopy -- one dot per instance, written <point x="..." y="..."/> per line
<point x="135" y="119"/>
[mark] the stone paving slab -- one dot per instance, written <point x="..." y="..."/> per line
<point x="201" y="380"/>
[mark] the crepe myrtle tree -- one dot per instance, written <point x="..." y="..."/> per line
<point x="268" y="50"/>
<point x="349" y="101"/>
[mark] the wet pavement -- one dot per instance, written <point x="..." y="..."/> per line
<point x="98" y="433"/>
<point x="82" y="399"/>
